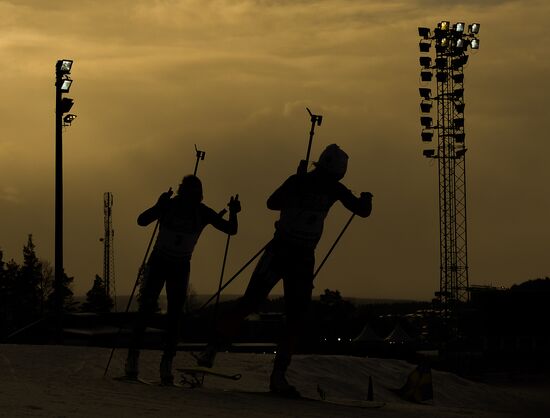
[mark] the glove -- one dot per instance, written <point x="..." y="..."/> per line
<point x="164" y="198"/>
<point x="302" y="167"/>
<point x="234" y="205"/>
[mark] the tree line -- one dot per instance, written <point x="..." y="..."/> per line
<point x="28" y="292"/>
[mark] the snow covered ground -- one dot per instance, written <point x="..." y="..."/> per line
<point x="65" y="381"/>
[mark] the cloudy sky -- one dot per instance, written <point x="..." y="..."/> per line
<point x="154" y="77"/>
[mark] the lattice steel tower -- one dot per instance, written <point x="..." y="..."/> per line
<point x="451" y="44"/>
<point x="108" y="247"/>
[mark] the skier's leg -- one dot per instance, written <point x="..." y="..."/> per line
<point x="152" y="286"/>
<point x="263" y="279"/>
<point x="298" y="285"/>
<point x="176" y="292"/>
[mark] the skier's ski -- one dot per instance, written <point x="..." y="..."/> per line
<point x="194" y="376"/>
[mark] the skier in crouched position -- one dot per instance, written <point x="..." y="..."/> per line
<point x="303" y="200"/>
<point x="181" y="221"/>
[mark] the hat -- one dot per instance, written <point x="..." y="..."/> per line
<point x="333" y="160"/>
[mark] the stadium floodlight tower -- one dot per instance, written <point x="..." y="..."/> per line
<point x="62" y="106"/>
<point x="451" y="43"/>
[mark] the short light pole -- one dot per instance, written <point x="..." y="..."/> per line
<point x="62" y="105"/>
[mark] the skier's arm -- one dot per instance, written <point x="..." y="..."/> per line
<point x="153" y="213"/>
<point x="361" y="206"/>
<point x="281" y="196"/>
<point x="231" y="226"/>
<point x="148" y="216"/>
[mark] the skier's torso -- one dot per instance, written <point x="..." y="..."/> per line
<point x="303" y="215"/>
<point x="180" y="227"/>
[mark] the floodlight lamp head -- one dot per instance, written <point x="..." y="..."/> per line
<point x="426" y="107"/>
<point x="459" y="27"/>
<point x="428" y="153"/>
<point x="424" y="32"/>
<point x="459" y="62"/>
<point x="65" y="105"/>
<point x="68" y="119"/>
<point x="474" y="28"/>
<point x="458" y="78"/>
<point x="474" y="43"/>
<point x="459" y="153"/>
<point x="65" y="85"/>
<point x="458" y="94"/>
<point x="459" y="107"/>
<point x="426" y="75"/>
<point x="425" y="93"/>
<point x="424" y="46"/>
<point x="427" y="136"/>
<point x="426" y="121"/>
<point x="445" y="25"/>
<point x="425" y="62"/>
<point x="63" y="67"/>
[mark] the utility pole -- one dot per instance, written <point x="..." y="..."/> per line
<point x="451" y="44"/>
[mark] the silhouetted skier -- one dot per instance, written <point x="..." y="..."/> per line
<point x="304" y="201"/>
<point x="181" y="221"/>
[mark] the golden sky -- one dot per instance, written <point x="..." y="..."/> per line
<point x="153" y="78"/>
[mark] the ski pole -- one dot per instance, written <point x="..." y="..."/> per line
<point x="333" y="245"/>
<point x="315" y="120"/>
<point x="140" y="273"/>
<point x="200" y="156"/>
<point x="215" y="295"/>
<point x="221" y="278"/>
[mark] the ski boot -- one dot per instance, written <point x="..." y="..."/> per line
<point x="131" y="368"/>
<point x="280" y="386"/>
<point x="166" y="376"/>
<point x="207" y="357"/>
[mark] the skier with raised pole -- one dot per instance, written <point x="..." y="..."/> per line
<point x="182" y="219"/>
<point x="304" y="201"/>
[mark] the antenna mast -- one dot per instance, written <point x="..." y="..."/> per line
<point x="108" y="248"/>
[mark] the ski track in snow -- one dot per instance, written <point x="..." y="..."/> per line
<point x="64" y="381"/>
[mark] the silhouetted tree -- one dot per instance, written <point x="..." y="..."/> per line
<point x="97" y="299"/>
<point x="534" y="285"/>
<point x="4" y="289"/>
<point x="27" y="285"/>
<point x="46" y="284"/>
<point x="61" y="295"/>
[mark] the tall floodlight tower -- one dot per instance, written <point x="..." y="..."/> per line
<point x="451" y="44"/>
<point x="63" y="105"/>
<point x="108" y="247"/>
